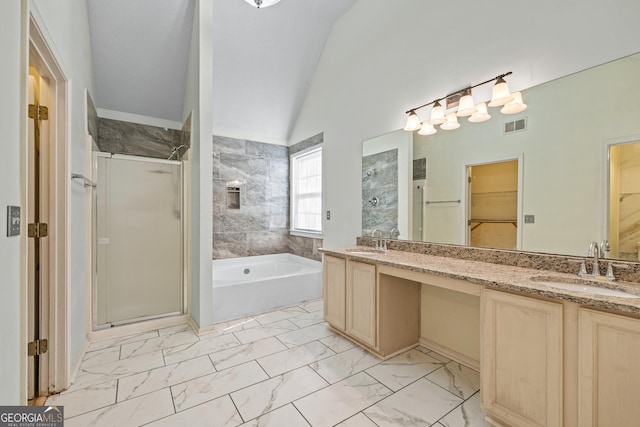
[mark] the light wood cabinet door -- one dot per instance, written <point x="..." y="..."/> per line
<point x="334" y="279"/>
<point x="521" y="359"/>
<point x="609" y="370"/>
<point x="361" y="302"/>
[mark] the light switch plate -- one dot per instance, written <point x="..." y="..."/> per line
<point x="13" y="221"/>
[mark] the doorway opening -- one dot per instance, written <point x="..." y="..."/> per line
<point x="44" y="198"/>
<point x="624" y="201"/>
<point x="492" y="200"/>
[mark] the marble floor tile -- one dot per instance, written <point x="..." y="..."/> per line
<point x="358" y="420"/>
<point x="191" y="393"/>
<point x="282" y="314"/>
<point x="219" y="412"/>
<point x="337" y="343"/>
<point x="112" y="342"/>
<point x="468" y="414"/>
<point x="433" y="354"/>
<point x="158" y="343"/>
<point x="199" y="348"/>
<point x="419" y="404"/>
<point x="342" y="400"/>
<point x="118" y="369"/>
<point x="268" y="395"/>
<point x="312" y="306"/>
<point x="402" y="370"/>
<point x="170" y="330"/>
<point x="294" y="358"/>
<point x="156" y="379"/>
<point x="243" y="353"/>
<point x="230" y="327"/>
<point x="85" y="400"/>
<point x="99" y="357"/>
<point x="265" y="331"/>
<point x="134" y="412"/>
<point x="287" y="416"/>
<point x="345" y="364"/>
<point x="458" y="379"/>
<point x="307" y="319"/>
<point x="305" y="335"/>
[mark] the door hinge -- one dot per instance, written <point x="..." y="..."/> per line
<point x="38" y="112"/>
<point x="38" y="230"/>
<point x="37" y="347"/>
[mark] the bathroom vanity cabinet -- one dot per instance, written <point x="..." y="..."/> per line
<point x="334" y="288"/>
<point x="379" y="311"/>
<point x="545" y="358"/>
<point x="521" y="359"/>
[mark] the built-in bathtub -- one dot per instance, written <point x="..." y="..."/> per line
<point x="253" y="285"/>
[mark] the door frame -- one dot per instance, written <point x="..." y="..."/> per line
<point x="606" y="178"/>
<point x="465" y="199"/>
<point x="40" y="53"/>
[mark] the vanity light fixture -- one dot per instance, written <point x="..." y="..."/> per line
<point x="262" y="3"/>
<point x="463" y="100"/>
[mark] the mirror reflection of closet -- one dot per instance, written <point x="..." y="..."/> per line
<point x="493" y="205"/>
<point x="624" y="201"/>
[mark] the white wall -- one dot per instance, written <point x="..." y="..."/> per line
<point x="10" y="75"/>
<point x="384" y="57"/>
<point x="66" y="24"/>
<point x="198" y="98"/>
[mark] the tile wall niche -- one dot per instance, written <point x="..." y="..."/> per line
<point x="118" y="137"/>
<point x="380" y="181"/>
<point x="261" y="225"/>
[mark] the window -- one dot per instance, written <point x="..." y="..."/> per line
<point x="306" y="192"/>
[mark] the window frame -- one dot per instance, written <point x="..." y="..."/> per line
<point x="294" y="193"/>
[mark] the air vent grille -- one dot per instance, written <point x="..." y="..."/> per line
<point x="519" y="125"/>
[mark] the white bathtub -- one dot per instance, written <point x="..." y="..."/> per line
<point x="253" y="285"/>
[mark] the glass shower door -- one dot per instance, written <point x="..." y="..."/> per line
<point x="139" y="239"/>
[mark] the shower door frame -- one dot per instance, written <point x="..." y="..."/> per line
<point x="95" y="328"/>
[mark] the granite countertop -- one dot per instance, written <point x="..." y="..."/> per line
<point x="496" y="276"/>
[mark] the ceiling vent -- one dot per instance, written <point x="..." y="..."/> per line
<point x="519" y="125"/>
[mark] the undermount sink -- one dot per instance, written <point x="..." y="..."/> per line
<point x="578" y="285"/>
<point x="364" y="251"/>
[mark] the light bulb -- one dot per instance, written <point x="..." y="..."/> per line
<point x="437" y="115"/>
<point x="451" y="123"/>
<point x="515" y="106"/>
<point x="481" y="115"/>
<point x="427" y="129"/>
<point x="466" y="105"/>
<point x="413" y="122"/>
<point x="500" y="94"/>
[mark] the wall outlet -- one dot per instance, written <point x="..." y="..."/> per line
<point x="529" y="219"/>
<point x="328" y="215"/>
<point x="13" y="221"/>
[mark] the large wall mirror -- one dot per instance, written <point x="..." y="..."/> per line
<point x="570" y="176"/>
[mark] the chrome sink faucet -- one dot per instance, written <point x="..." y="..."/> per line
<point x="381" y="244"/>
<point x="594" y="251"/>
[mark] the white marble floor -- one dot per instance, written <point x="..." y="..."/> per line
<point x="283" y="368"/>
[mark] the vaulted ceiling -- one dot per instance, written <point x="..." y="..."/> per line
<point x="264" y="59"/>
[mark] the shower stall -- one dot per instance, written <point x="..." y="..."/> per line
<point x="138" y="239"/>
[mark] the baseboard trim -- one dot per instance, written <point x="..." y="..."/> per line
<point x="451" y="354"/>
